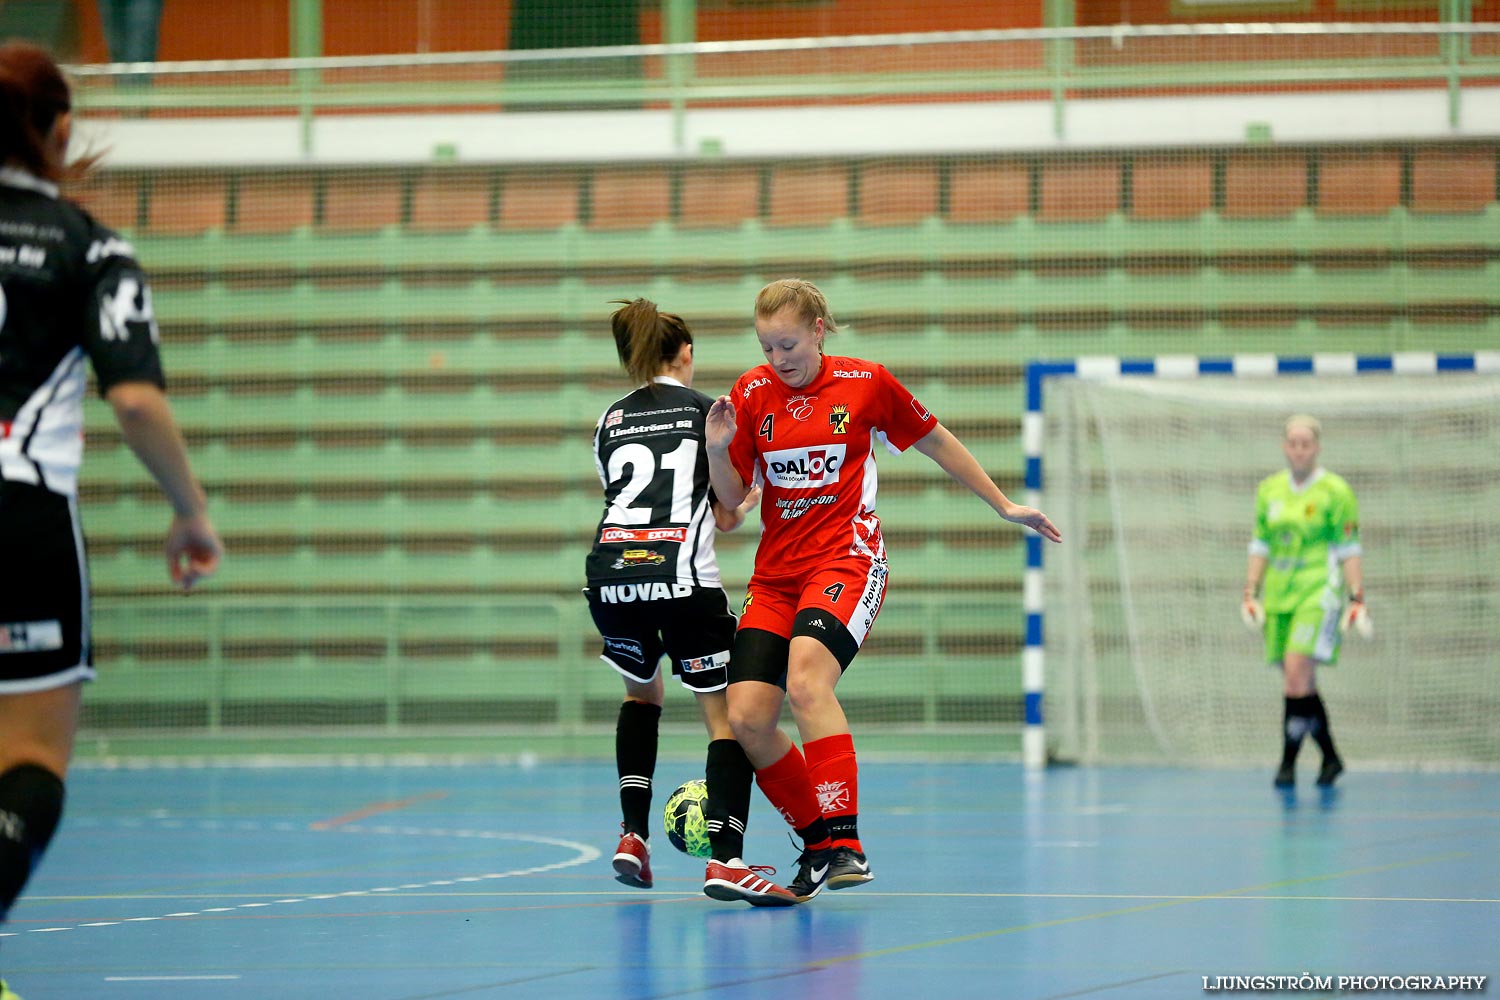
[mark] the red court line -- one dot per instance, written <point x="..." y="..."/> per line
<point x="375" y="809"/>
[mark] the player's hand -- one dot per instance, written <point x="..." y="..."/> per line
<point x="1358" y="618"/>
<point x="1035" y="520"/>
<point x="752" y="499"/>
<point x="719" y="425"/>
<point x="1252" y="613"/>
<point x="193" y="550"/>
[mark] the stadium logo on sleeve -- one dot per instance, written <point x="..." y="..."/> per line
<point x="805" y="468"/>
<point x="838" y="418"/>
<point x="753" y="386"/>
<point x="922" y="413"/>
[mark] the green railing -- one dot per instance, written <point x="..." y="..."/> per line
<point x="481" y="673"/>
<point x="1058" y="64"/>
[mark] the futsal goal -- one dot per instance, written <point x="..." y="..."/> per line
<point x="1151" y="469"/>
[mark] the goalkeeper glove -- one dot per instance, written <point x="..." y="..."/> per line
<point x="1252" y="613"/>
<point x="1357" y="618"/>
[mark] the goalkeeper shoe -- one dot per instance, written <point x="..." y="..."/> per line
<point x="849" y="868"/>
<point x="812" y="873"/>
<point x="734" y="880"/>
<point x="1331" y="769"/>
<point x="632" y="862"/>
<point x="1286" y="776"/>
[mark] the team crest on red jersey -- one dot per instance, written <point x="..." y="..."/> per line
<point x="838" y="418"/>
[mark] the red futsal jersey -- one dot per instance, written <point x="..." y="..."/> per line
<point x="812" y="448"/>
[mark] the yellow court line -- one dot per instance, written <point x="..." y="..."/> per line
<point x="1125" y="911"/>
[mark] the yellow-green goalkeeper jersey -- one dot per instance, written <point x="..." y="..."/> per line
<point x="1305" y="533"/>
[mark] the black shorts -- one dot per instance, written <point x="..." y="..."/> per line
<point x="640" y="622"/>
<point x="760" y="655"/>
<point x="44" y="591"/>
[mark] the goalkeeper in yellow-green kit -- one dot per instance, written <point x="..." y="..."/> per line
<point x="1306" y="552"/>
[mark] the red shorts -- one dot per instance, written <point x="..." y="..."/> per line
<point x="850" y="589"/>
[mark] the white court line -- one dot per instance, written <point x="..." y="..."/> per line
<point x="585" y="855"/>
<point x="161" y="979"/>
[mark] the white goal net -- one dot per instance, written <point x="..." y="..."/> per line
<point x="1153" y="482"/>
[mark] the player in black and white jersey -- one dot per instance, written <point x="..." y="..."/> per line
<point x="653" y="579"/>
<point x="70" y="292"/>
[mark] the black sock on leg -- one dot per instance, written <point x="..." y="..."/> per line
<point x="729" y="775"/>
<point x="1321" y="732"/>
<point x="31" y="804"/>
<point x="1333" y="765"/>
<point x="1297" y="723"/>
<point x="819" y="831"/>
<point x="635" y="759"/>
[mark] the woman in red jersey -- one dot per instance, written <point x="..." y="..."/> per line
<point x="805" y="425"/>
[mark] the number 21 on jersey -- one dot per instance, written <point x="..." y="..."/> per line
<point x="644" y="478"/>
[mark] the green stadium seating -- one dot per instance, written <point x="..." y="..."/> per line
<point x="751" y="245"/>
<point x="389" y="379"/>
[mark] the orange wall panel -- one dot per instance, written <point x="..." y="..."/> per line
<point x="722" y="21"/>
<point x="224" y="29"/>
<point x="373" y="27"/>
<point x="1099" y="12"/>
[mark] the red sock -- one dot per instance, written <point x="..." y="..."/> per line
<point x="833" y="772"/>
<point x="786" y="785"/>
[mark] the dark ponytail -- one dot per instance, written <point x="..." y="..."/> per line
<point x="33" y="92"/>
<point x="646" y="339"/>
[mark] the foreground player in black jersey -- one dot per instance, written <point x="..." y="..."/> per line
<point x="653" y="578"/>
<point x="70" y="289"/>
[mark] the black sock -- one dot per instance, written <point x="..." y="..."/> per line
<point x="1320" y="731"/>
<point x="729" y="776"/>
<point x="1298" y="721"/>
<point x="31" y="803"/>
<point x="844" y="827"/>
<point x="635" y="759"/>
<point x="815" y="832"/>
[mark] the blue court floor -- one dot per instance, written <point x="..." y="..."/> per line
<point x="412" y="883"/>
